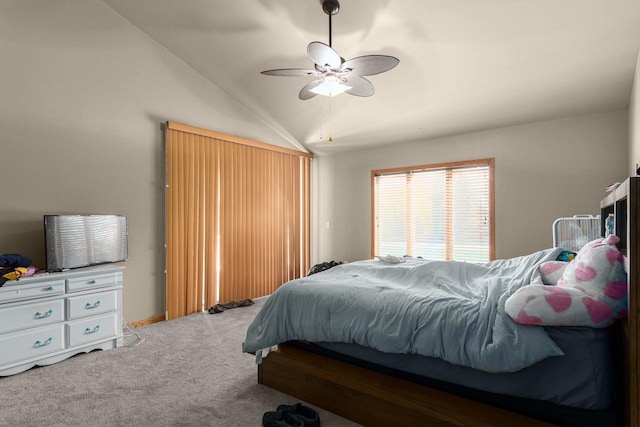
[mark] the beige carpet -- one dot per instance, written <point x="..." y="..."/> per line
<point x="187" y="372"/>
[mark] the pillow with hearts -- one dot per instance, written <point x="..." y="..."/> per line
<point x="552" y="271"/>
<point x="592" y="290"/>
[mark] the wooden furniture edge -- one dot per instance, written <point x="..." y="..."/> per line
<point x="632" y="189"/>
<point x="629" y="191"/>
<point x="633" y="318"/>
<point x="148" y="321"/>
<point x="373" y="398"/>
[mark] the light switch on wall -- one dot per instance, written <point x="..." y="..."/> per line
<point x="327" y="225"/>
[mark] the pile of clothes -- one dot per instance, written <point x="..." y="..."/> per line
<point x="15" y="266"/>
<point x="322" y="267"/>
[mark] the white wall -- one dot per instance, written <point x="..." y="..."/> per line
<point x="634" y="122"/>
<point x="82" y="96"/>
<point x="543" y="171"/>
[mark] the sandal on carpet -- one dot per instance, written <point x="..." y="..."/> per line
<point x="281" y="419"/>
<point x="309" y="416"/>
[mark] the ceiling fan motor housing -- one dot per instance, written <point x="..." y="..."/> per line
<point x="330" y="7"/>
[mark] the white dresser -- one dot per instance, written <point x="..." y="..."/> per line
<point x="49" y="317"/>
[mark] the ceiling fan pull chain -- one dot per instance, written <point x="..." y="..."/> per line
<point x="330" y="121"/>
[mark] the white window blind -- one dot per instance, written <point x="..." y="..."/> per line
<point x="440" y="213"/>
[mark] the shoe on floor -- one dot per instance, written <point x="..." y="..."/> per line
<point x="281" y="419"/>
<point x="309" y="416"/>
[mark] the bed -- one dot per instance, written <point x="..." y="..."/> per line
<point x="445" y="383"/>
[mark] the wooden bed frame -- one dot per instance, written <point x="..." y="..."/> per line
<point x="376" y="399"/>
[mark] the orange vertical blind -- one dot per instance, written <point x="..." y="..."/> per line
<point x="238" y="218"/>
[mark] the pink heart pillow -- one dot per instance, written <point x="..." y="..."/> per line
<point x="592" y="290"/>
<point x="552" y="271"/>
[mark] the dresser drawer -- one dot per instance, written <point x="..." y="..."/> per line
<point x="29" y="344"/>
<point x="92" y="281"/>
<point x="91" y="329"/>
<point x="89" y="305"/>
<point x="19" y="291"/>
<point x="31" y="315"/>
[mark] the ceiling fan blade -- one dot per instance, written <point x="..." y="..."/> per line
<point x="305" y="92"/>
<point x="359" y="86"/>
<point x="323" y="55"/>
<point x="292" y="72"/>
<point x="369" y="65"/>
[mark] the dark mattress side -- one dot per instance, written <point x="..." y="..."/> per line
<point x="573" y="390"/>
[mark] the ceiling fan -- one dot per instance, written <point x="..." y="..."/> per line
<point x="335" y="74"/>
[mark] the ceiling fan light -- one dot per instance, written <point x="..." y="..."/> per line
<point x="331" y="86"/>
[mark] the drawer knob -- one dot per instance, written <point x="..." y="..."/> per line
<point x="50" y="288"/>
<point x="90" y="306"/>
<point x="39" y="343"/>
<point x="48" y="313"/>
<point x="92" y="331"/>
<point x="92" y="282"/>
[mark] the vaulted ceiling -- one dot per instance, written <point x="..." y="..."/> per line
<point x="465" y="65"/>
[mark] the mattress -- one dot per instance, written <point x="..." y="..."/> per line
<point x="582" y="378"/>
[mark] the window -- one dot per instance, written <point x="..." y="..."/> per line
<point x="440" y="212"/>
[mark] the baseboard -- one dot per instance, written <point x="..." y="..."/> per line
<point x="148" y="321"/>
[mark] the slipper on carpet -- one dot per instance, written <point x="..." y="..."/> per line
<point x="309" y="416"/>
<point x="281" y="419"/>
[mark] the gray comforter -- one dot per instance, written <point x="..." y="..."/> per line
<point x="449" y="310"/>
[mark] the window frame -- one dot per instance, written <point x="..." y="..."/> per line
<point x="490" y="162"/>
